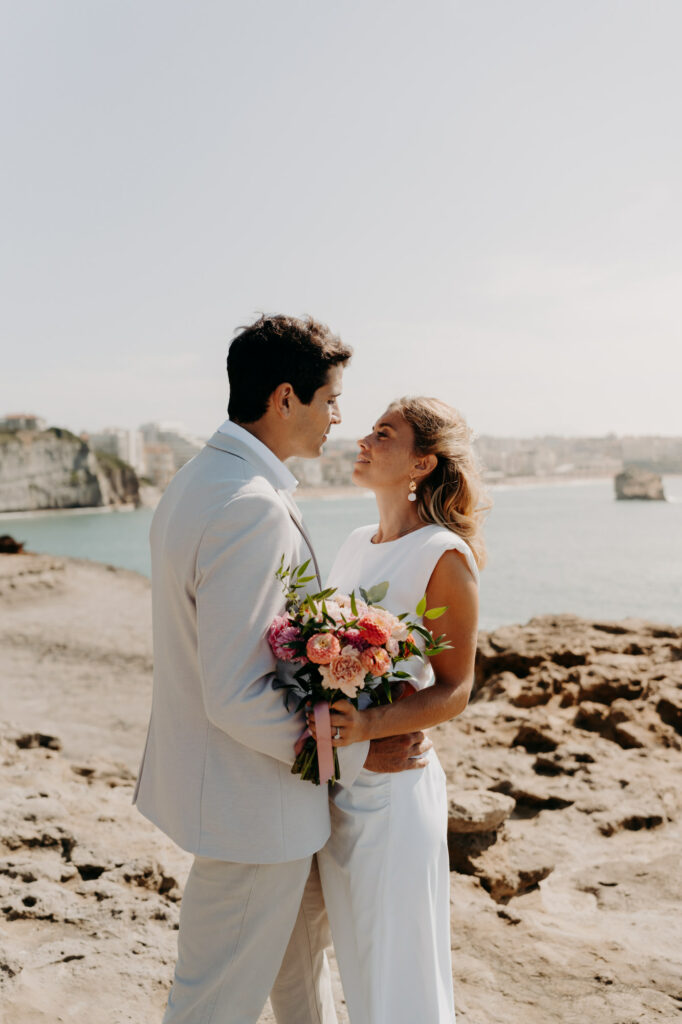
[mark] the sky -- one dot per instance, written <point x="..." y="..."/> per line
<point x="481" y="196"/>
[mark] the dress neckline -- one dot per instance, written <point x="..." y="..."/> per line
<point x="410" y="533"/>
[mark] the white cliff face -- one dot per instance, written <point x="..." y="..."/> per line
<point x="55" y="469"/>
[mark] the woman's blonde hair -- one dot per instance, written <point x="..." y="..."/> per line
<point x="452" y="495"/>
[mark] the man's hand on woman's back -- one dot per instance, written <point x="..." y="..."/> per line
<point x="398" y="753"/>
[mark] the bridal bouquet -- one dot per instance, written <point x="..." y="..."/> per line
<point x="344" y="645"/>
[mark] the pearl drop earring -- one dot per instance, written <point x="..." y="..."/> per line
<point x="412" y="495"/>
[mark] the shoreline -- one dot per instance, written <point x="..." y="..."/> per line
<point x="80" y="510"/>
<point x="336" y="492"/>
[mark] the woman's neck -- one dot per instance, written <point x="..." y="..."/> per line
<point x="397" y="515"/>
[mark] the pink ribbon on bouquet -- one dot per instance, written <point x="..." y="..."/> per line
<point x="323" y="728"/>
<point x="325" y="753"/>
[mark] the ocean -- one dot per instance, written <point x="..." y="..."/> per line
<point x="551" y="548"/>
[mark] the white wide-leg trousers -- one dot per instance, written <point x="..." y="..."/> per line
<point x="237" y="922"/>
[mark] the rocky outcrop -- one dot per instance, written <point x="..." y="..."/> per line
<point x="54" y="469"/>
<point x="565" y="814"/>
<point x="634" y="483"/>
<point x="10" y="546"/>
<point x="564" y="781"/>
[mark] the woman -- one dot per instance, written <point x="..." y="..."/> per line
<point x="385" y="868"/>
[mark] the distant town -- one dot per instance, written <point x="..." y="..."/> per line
<point x="156" y="450"/>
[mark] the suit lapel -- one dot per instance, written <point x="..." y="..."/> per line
<point x="233" y="446"/>
<point x="295" y="514"/>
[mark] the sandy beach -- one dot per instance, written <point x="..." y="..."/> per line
<point x="565" y="781"/>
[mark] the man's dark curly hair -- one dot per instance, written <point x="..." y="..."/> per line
<point x="277" y="350"/>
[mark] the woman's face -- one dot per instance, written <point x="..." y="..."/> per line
<point x="386" y="457"/>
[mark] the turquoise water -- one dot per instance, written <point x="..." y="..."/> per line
<point x="552" y="548"/>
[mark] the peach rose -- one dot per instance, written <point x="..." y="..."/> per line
<point x="346" y="672"/>
<point x="322" y="648"/>
<point x="376" y="661"/>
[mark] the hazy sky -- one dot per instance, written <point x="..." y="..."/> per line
<point x="482" y="197"/>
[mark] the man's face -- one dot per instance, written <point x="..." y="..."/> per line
<point x="310" y="424"/>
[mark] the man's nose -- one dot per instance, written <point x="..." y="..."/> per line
<point x="336" y="414"/>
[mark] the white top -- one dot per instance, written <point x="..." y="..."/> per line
<point x="406" y="564"/>
<point x="285" y="479"/>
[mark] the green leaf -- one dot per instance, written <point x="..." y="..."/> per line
<point x="377" y="593"/>
<point x="302" y="568"/>
<point x="353" y="604"/>
<point x="401" y="617"/>
<point x="421" y="607"/>
<point x="435" y="613"/>
<point x="423" y="632"/>
<point x="363" y="595"/>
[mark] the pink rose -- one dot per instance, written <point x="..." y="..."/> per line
<point x="322" y="647"/>
<point x="280" y="635"/>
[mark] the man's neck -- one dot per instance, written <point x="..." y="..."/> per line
<point x="266" y="435"/>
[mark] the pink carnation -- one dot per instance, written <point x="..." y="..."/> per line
<point x="354" y="638"/>
<point x="376" y="661"/>
<point x="280" y="634"/>
<point x="322" y="647"/>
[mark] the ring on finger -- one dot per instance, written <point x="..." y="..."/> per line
<point x="337" y="734"/>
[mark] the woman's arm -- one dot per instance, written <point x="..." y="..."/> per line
<point x="452" y="585"/>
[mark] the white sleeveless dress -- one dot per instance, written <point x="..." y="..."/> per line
<point x="385" y="868"/>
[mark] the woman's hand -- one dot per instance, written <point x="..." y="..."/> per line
<point x="350" y="725"/>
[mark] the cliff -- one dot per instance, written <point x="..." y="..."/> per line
<point x="55" y="469"/>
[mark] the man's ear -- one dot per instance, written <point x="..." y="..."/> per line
<point x="280" y="400"/>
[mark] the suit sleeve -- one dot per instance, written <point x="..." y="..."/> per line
<point x="237" y="597"/>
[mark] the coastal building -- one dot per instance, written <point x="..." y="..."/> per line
<point x="22" y="421"/>
<point x="174" y="436"/>
<point x="123" y="443"/>
<point x="159" y="464"/>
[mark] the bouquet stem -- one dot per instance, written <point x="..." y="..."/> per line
<point x="307" y="766"/>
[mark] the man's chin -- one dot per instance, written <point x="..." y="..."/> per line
<point x="312" y="452"/>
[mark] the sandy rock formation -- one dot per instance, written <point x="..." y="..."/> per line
<point x="634" y="483"/>
<point x="565" y="815"/>
<point x="580" y="724"/>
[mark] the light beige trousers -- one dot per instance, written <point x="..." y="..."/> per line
<point x="246" y="931"/>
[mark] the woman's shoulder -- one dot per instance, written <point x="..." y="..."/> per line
<point x="438" y="539"/>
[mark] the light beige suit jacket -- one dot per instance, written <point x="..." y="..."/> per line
<point x="215" y="774"/>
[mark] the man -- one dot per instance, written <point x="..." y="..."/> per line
<point x="215" y="773"/>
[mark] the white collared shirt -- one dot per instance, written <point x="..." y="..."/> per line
<point x="286" y="480"/>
